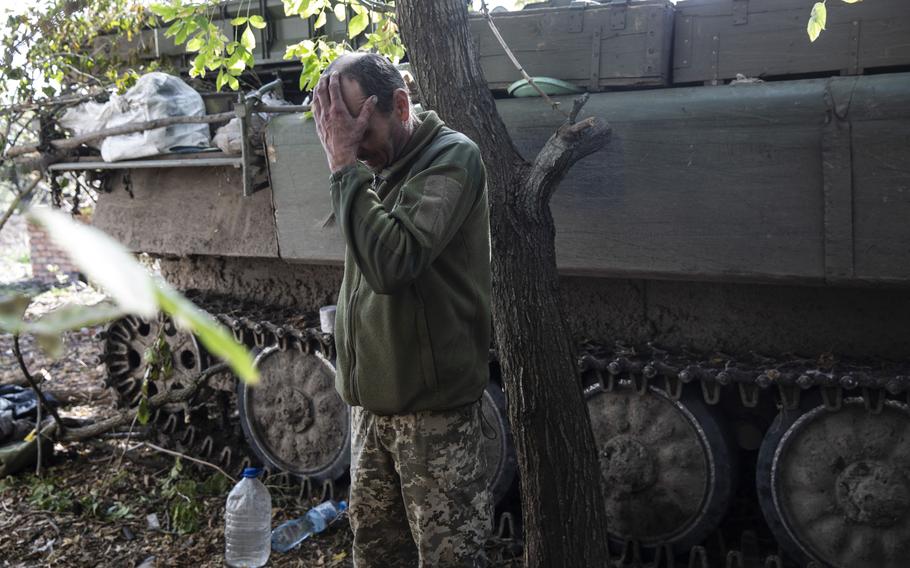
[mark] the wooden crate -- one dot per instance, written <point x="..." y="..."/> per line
<point x="716" y="39"/>
<point x="621" y="44"/>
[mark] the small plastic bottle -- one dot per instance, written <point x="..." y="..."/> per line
<point x="248" y="522"/>
<point x="291" y="533"/>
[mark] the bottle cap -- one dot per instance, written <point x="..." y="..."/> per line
<point x="251" y="471"/>
<point x="342" y="506"/>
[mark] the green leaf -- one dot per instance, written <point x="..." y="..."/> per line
<point x="320" y="20"/>
<point x="12" y="309"/>
<point x="73" y="317"/>
<point x="221" y="80"/>
<point x="166" y="12"/>
<point x="51" y="344"/>
<point x="212" y="63"/>
<point x="195" y="44"/>
<point x="357" y="24"/>
<point x="215" y="485"/>
<point x="144" y="413"/>
<point x="236" y="64"/>
<point x="340" y="12"/>
<point x="198" y="66"/>
<point x="248" y="39"/>
<point x="817" y="20"/>
<point x="239" y="21"/>
<point x="310" y="7"/>
<point x="182" y="35"/>
<point x="103" y="260"/>
<point x="214" y="336"/>
<point x="257" y="21"/>
<point x="174" y="29"/>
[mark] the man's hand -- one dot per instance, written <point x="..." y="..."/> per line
<point x="339" y="131"/>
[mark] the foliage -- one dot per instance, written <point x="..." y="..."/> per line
<point x="94" y="506"/>
<point x="159" y="366"/>
<point x="372" y="24"/>
<point x="181" y="493"/>
<point x="215" y="485"/>
<point x="55" y="46"/>
<point x="132" y="289"/>
<point x="50" y="48"/>
<point x="47" y="495"/>
<point x="192" y="24"/>
<point x="373" y="19"/>
<point x="819" y="17"/>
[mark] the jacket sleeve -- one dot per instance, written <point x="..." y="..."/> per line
<point x="393" y="247"/>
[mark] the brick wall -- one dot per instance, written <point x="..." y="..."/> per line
<point x="47" y="260"/>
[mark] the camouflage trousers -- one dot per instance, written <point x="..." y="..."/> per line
<point x="418" y="489"/>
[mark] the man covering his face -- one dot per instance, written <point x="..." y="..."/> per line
<point x="412" y="329"/>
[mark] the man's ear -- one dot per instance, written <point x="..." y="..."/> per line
<point x="401" y="100"/>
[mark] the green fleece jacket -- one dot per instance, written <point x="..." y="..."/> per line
<point x="412" y="329"/>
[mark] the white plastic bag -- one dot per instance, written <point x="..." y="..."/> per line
<point x="85" y="118"/>
<point x="228" y="138"/>
<point x="155" y="95"/>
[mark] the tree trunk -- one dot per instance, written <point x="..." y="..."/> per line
<point x="562" y="496"/>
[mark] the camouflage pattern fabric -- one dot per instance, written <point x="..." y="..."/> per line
<point x="418" y="492"/>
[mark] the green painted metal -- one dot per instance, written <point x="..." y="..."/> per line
<point x="723" y="183"/>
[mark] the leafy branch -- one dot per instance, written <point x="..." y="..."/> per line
<point x="370" y="23"/>
<point x="191" y="24"/>
<point x="131" y="289"/>
<point x="818" y="18"/>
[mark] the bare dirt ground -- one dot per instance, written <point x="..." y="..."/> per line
<point x="113" y="502"/>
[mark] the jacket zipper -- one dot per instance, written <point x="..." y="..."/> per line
<point x="378" y="181"/>
<point x="352" y="355"/>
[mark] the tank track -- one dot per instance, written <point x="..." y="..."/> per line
<point x="750" y="377"/>
<point x="256" y="326"/>
<point x="260" y="325"/>
<point x="208" y="427"/>
<point x="787" y="384"/>
<point x="752" y="382"/>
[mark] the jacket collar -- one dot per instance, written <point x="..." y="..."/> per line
<point x="430" y="124"/>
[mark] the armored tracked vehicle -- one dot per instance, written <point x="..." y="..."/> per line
<point x="735" y="272"/>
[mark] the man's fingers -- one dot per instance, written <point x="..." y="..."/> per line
<point x="321" y="96"/>
<point x="366" y="111"/>
<point x="335" y="93"/>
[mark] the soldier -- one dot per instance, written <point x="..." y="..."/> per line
<point x="412" y="329"/>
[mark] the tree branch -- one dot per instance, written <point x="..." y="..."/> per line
<point x="571" y="142"/>
<point x="186" y="457"/>
<point x="18" y="199"/>
<point x="377" y="6"/>
<point x="77" y="141"/>
<point x="553" y="104"/>
<point x="34" y="384"/>
<point x="55" y="101"/>
<point x="162" y="398"/>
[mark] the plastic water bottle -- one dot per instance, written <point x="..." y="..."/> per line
<point x="288" y="535"/>
<point x="248" y="522"/>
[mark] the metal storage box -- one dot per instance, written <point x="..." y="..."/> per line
<point x="621" y="44"/>
<point x="716" y="39"/>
